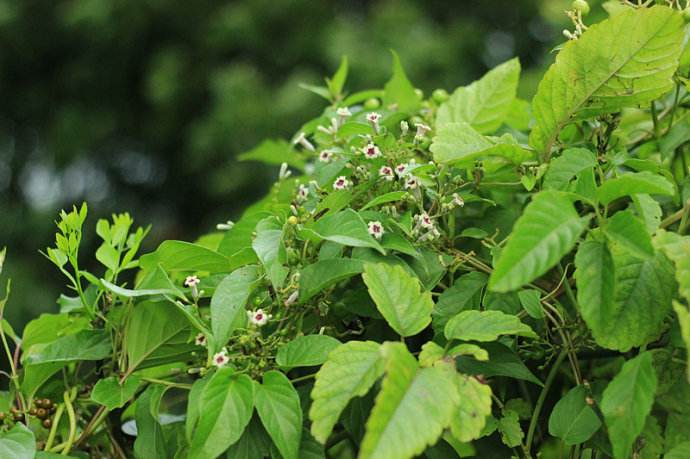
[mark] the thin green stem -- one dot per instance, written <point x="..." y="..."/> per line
<point x="53" y="428"/>
<point x="68" y="396"/>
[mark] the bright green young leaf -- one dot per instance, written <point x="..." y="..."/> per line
<point x="345" y="227"/>
<point x="349" y="372"/>
<point x="430" y="354"/>
<point x="547" y="230"/>
<point x="472" y="350"/>
<point x="399" y="91"/>
<point x="634" y="183"/>
<point x="485" y="326"/>
<point x="572" y="419"/>
<point x="17" y="443"/>
<point x="270" y="249"/>
<point x="461" y="145"/>
<point x="407" y="416"/>
<point x="337" y="82"/>
<point x="600" y="73"/>
<point x="111" y="394"/>
<point x="564" y="168"/>
<point x="226" y="403"/>
<point x="185" y="256"/>
<point x="150" y="442"/>
<point x="485" y="103"/>
<point x="473" y="408"/>
<point x="465" y="293"/>
<point x="317" y="277"/>
<point x="627" y="401"/>
<point x="278" y="406"/>
<point x="83" y="345"/>
<point x="629" y="231"/>
<point x="509" y="427"/>
<point x="306" y="351"/>
<point x="399" y="298"/>
<point x="273" y="152"/>
<point x="392" y="196"/>
<point x="228" y="301"/>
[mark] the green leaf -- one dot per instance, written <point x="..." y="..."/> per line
<point x="17" y="443"/>
<point x="677" y="249"/>
<point x="430" y="354"/>
<point x="273" y="152"/>
<point x="684" y="322"/>
<point x="317" y="277"/>
<point x="399" y="298"/>
<point x="509" y="426"/>
<point x="681" y="451"/>
<point x="278" y="406"/>
<point x="150" y="442"/>
<point x="392" y="196"/>
<point x="461" y="145"/>
<point x="254" y="443"/>
<point x="547" y="230"/>
<point x="595" y="279"/>
<point x="485" y="326"/>
<point x="306" y="351"/>
<point x="572" y="419"/>
<point x="345" y="227"/>
<point x="83" y="345"/>
<point x="600" y="73"/>
<point x="349" y="372"/>
<point x="630" y="232"/>
<point x="474" y="407"/>
<point x="108" y="256"/>
<point x="270" y="249"/>
<point x="627" y="401"/>
<point x="336" y="83"/>
<point x="49" y="327"/>
<point x="531" y="303"/>
<point x="136" y="293"/>
<point x="634" y="183"/>
<point x="465" y="293"/>
<point x="502" y="362"/>
<point x="408" y="416"/>
<point x="226" y="403"/>
<point x="111" y="394"/>
<point x="485" y="103"/>
<point x="228" y="302"/>
<point x="399" y="91"/>
<point x="564" y="168"/>
<point x="649" y="211"/>
<point x="185" y="256"/>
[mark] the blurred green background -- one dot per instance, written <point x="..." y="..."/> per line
<point x="142" y="105"/>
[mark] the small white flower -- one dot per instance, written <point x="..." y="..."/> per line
<point x="302" y="140"/>
<point x="200" y="340"/>
<point x="422" y="129"/>
<point x="325" y="130"/>
<point x="284" y="172"/>
<point x="191" y="281"/>
<point x="411" y="183"/>
<point x="457" y="200"/>
<point x="386" y="172"/>
<point x="376" y="229"/>
<point x="341" y="183"/>
<point x="225" y="226"/>
<point x="325" y="156"/>
<point x="401" y="169"/>
<point x="258" y="317"/>
<point x="404" y="127"/>
<point x="371" y="151"/>
<point x="292" y="298"/>
<point x="220" y="359"/>
<point x="373" y="117"/>
<point x="302" y="193"/>
<point x="343" y="112"/>
<point x="424" y="220"/>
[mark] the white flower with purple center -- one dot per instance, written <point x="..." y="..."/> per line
<point x="411" y="183"/>
<point x="341" y="183"/>
<point x="191" y="281"/>
<point x="200" y="340"/>
<point x="371" y="151"/>
<point x="401" y="169"/>
<point x="373" y="117"/>
<point x="376" y="229"/>
<point x="302" y="193"/>
<point x="258" y="317"/>
<point x="386" y="172"/>
<point x="424" y="220"/>
<point x="220" y="359"/>
<point x="325" y="156"/>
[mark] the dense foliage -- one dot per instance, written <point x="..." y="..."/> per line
<point x="465" y="275"/>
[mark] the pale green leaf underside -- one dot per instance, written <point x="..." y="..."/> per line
<point x="485" y="326"/>
<point x="473" y="408"/>
<point x="623" y="61"/>
<point x="547" y="230"/>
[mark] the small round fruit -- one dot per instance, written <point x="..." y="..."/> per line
<point x="439" y="95"/>
<point x="41" y="413"/>
<point x="47" y="423"/>
<point x="419" y="93"/>
<point x="47" y="403"/>
<point x="32" y="411"/>
<point x="292" y="220"/>
<point x="372" y="104"/>
<point x="582" y="6"/>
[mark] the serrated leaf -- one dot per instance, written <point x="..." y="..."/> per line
<point x="600" y="73"/>
<point x="306" y="351"/>
<point x="349" y="372"/>
<point x="399" y="91"/>
<point x="509" y="427"/>
<point x="278" y="406"/>
<point x="461" y="145"/>
<point x="485" y="103"/>
<point x="317" y="277"/>
<point x="547" y="230"/>
<point x="469" y="349"/>
<point x="564" y="168"/>
<point x="630" y="232"/>
<point x="627" y="401"/>
<point x="345" y="227"/>
<point x="465" y="293"/>
<point x="408" y="416"/>
<point x="677" y="249"/>
<point x="572" y="420"/>
<point x="399" y="298"/>
<point x="430" y="354"/>
<point x="111" y="394"/>
<point x="225" y="404"/>
<point x="634" y="183"/>
<point x="485" y="326"/>
<point x="649" y="210"/>
<point x="473" y="408"/>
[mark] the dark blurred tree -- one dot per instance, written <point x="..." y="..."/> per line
<point x="142" y="105"/>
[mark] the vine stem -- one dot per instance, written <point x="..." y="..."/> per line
<point x="68" y="396"/>
<point x="53" y="428"/>
<point x="542" y="397"/>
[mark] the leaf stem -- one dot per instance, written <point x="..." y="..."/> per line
<point x="68" y="397"/>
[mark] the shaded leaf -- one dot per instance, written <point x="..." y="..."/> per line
<point x="306" y="351"/>
<point x="279" y="408"/>
<point x="485" y="326"/>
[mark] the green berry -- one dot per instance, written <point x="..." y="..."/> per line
<point x="372" y="104"/>
<point x="439" y="95"/>
<point x="582" y="6"/>
<point x="419" y="93"/>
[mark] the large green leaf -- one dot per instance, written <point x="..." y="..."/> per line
<point x="49" y="327"/>
<point x="110" y="393"/>
<point x="17" y="443"/>
<point x="547" y="230"/>
<point x="485" y="103"/>
<point x="150" y="442"/>
<point x="345" y="227"/>
<point x="465" y="293"/>
<point x="630" y="232"/>
<point x="601" y="73"/>
<point x="226" y="403"/>
<point x="642" y="292"/>
<point x="634" y="183"/>
<point x="278" y="406"/>
<point x="185" y="256"/>
<point x="84" y="345"/>
<point x="399" y="298"/>
<point x="564" y="168"/>
<point x="254" y="443"/>
<point x="502" y="361"/>
<point x="460" y="144"/>
<point x="316" y="277"/>
<point x="349" y="372"/>
<point x="399" y="91"/>
<point x="572" y="419"/>
<point x="270" y="249"/>
<point x="228" y="302"/>
<point x="627" y="401"/>
<point x="412" y="408"/>
<point x="485" y="326"/>
<point x="274" y="152"/>
<point x="681" y="451"/>
<point x="306" y="351"/>
<point x="677" y="248"/>
<point x="473" y="408"/>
